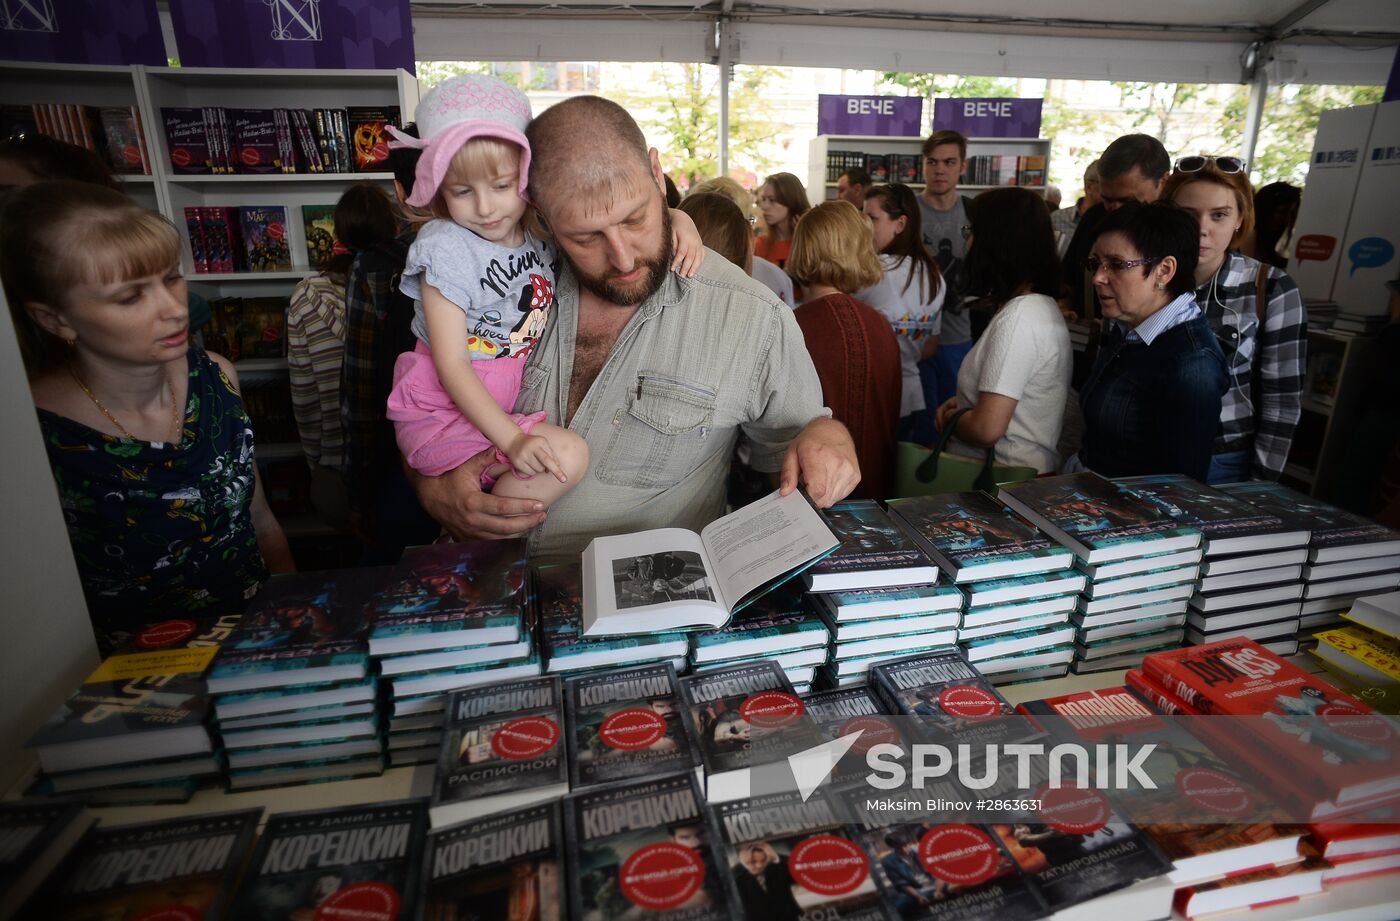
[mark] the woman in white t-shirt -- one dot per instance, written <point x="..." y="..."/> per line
<point x="911" y="292"/>
<point x="1016" y="377"/>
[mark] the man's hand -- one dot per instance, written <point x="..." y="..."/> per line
<point x="823" y="458"/>
<point x="457" y="502"/>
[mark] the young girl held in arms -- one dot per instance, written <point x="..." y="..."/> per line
<point x="483" y="286"/>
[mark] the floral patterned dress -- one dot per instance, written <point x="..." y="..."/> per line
<point x="159" y="530"/>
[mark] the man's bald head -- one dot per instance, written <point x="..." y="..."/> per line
<point x="586" y="151"/>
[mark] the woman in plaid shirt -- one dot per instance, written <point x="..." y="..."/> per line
<point x="1265" y="344"/>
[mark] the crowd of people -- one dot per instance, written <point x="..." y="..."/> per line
<point x="530" y="342"/>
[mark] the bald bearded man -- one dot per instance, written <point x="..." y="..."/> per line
<point x="658" y="373"/>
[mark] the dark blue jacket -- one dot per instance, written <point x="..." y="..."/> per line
<point x="1154" y="408"/>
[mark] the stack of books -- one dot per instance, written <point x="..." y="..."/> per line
<point x="1019" y="584"/>
<point x="564" y="649"/>
<point x="293" y="688"/>
<point x="1338" y="763"/>
<point x="449" y="616"/>
<point x="878" y="595"/>
<point x="1251" y="575"/>
<point x="246" y="238"/>
<point x="1140" y="565"/>
<point x="136" y="731"/>
<point x="1348" y="555"/>
<point x="1365" y="653"/>
<point x="1358" y="324"/>
<point x="219" y="141"/>
<point x="779" y="627"/>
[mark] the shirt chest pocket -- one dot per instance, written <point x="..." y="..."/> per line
<point x="662" y="433"/>
<point x="1238" y="338"/>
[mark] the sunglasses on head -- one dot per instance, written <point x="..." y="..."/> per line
<point x="1226" y="165"/>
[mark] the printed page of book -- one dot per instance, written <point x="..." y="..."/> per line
<point x="650" y="580"/>
<point x="763" y="541"/>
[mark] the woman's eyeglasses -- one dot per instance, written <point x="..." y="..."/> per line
<point x="1227" y="165"/>
<point x="1094" y="263"/>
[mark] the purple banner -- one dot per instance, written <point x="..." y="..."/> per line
<point x="988" y="118"/>
<point x="882" y="116"/>
<point x="81" y="32"/>
<point x="330" y="34"/>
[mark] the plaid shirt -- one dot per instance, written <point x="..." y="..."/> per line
<point x="1260" y="410"/>
<point x="377" y="331"/>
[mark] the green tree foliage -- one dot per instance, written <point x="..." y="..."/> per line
<point x="1177" y="114"/>
<point x="1289" y="126"/>
<point x="682" y="112"/>
<point x="949" y="86"/>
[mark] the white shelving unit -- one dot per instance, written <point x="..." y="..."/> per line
<point x="1328" y="410"/>
<point x="150" y="89"/>
<point x="820" y="189"/>
<point x="75" y="84"/>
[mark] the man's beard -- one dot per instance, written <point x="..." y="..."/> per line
<point x="654" y="271"/>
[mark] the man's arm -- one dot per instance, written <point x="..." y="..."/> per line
<point x="456" y="501"/>
<point x="823" y="458"/>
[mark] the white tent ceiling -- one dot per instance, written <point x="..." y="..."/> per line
<point x="1312" y="41"/>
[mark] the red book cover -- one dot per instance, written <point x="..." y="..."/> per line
<point x="1205" y="814"/>
<point x="1155" y="694"/>
<point x="1312" y="738"/>
<point x="1351" y="840"/>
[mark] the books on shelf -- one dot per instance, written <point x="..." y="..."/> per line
<point x="1097" y="519"/>
<point x="37" y="835"/>
<point x="114" y="133"/>
<point x="644" y="848"/>
<point x="183" y="867"/>
<point x="972" y="537"/>
<point x="348" y="860"/>
<point x="626" y="724"/>
<point x="502" y="748"/>
<point x="874" y="553"/>
<point x="263" y="229"/>
<point x="318" y="230"/>
<point x="496" y="863"/>
<point x="219" y="141"/>
<point x="674" y="579"/>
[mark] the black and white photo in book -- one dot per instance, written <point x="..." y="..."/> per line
<point x="676" y="579"/>
<point x="654" y="578"/>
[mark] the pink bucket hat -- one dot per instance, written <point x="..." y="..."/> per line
<point x="454" y="112"/>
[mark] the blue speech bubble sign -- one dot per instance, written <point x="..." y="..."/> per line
<point x="1370" y="253"/>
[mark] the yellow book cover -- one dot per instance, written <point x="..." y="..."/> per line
<point x="1375" y="652"/>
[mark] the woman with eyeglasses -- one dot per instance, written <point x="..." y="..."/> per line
<point x="782" y="200"/>
<point x="1257" y="314"/>
<point x="911" y="292"/>
<point x="1016" y="378"/>
<point x="1152" y="400"/>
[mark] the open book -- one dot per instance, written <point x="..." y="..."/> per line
<point x="672" y="579"/>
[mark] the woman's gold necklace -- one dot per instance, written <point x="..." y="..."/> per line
<point x="177" y="421"/>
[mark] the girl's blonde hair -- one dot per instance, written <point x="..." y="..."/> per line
<point x="1235" y="182"/>
<point x="60" y="234"/>
<point x="834" y="245"/>
<point x="484" y="156"/>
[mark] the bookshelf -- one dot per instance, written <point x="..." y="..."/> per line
<point x="819" y="188"/>
<point x="150" y="89"/>
<point x="1330" y="392"/>
<point x="78" y="84"/>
